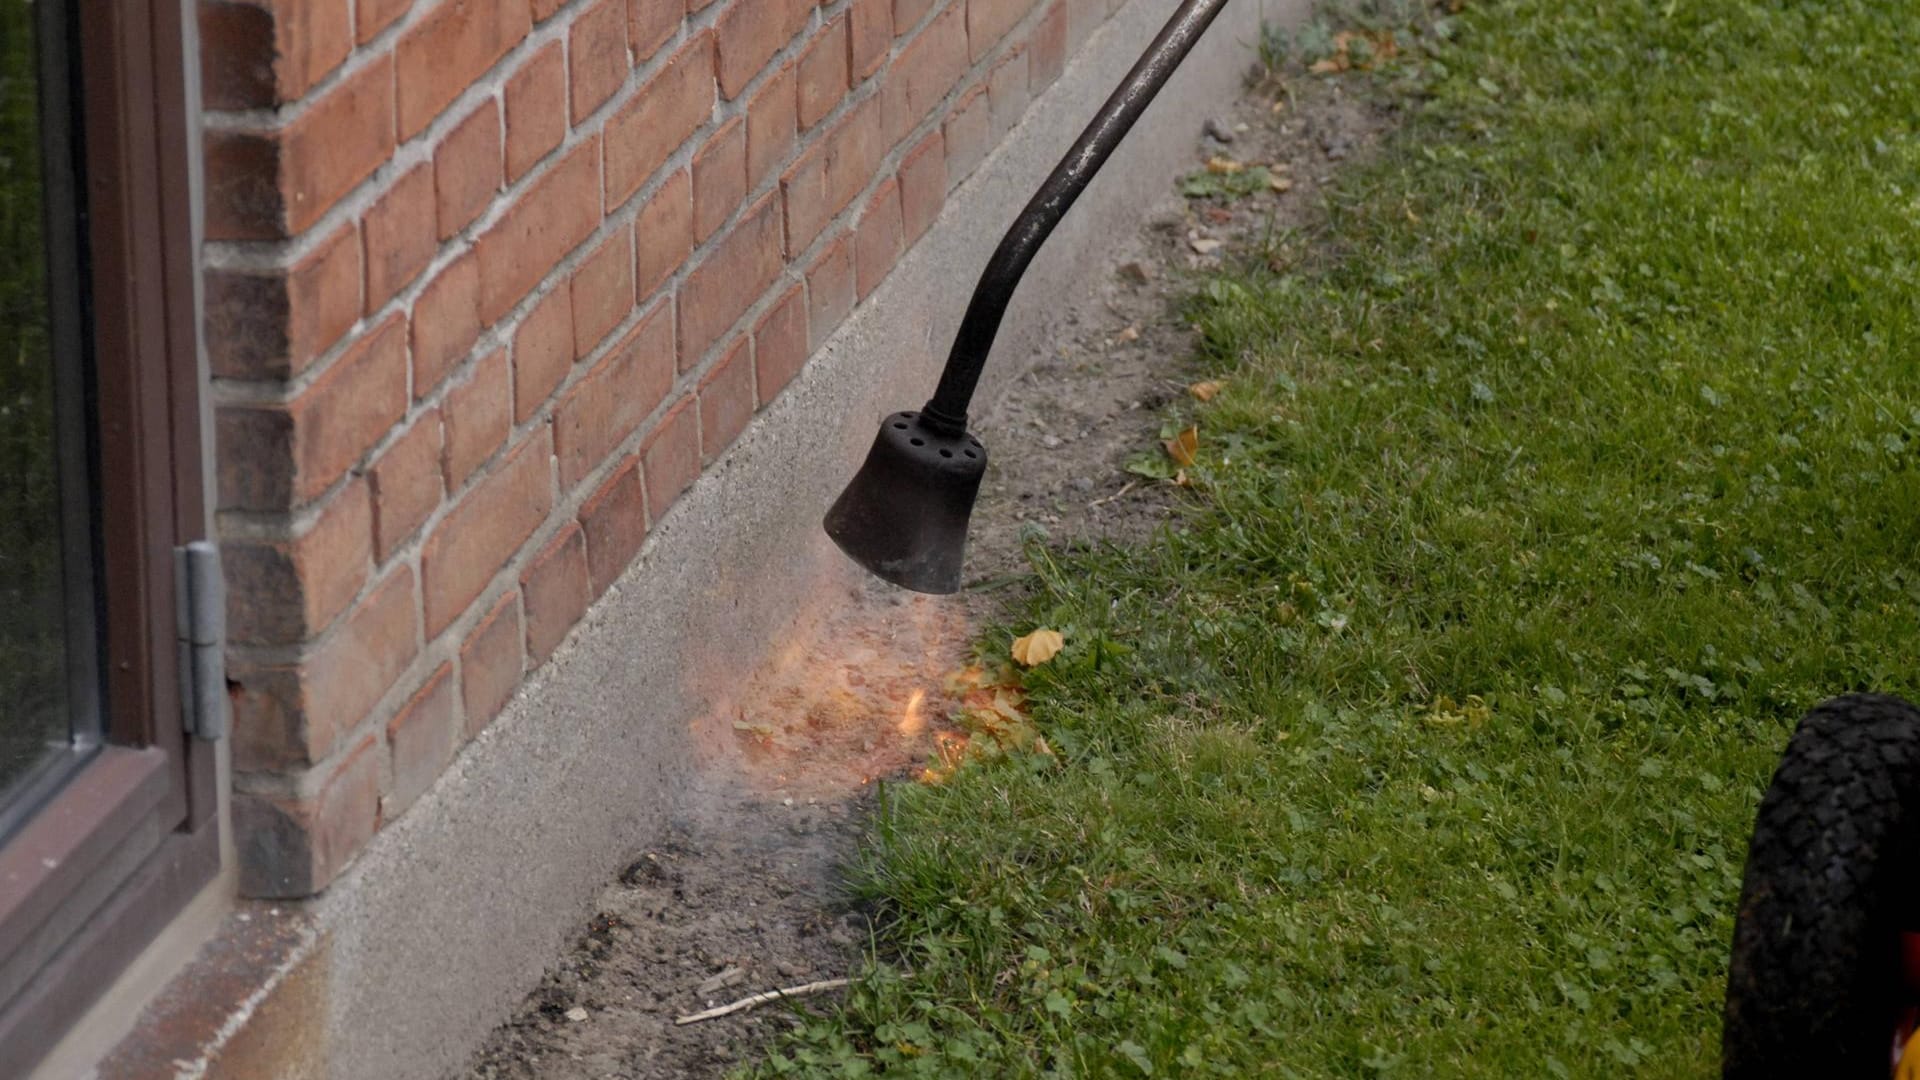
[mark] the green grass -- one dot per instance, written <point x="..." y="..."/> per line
<point x="1541" y="502"/>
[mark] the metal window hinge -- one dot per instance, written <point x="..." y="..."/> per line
<point x="200" y="616"/>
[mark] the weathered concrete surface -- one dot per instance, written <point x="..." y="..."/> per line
<point x="451" y="914"/>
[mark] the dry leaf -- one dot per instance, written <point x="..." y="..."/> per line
<point x="1380" y="46"/>
<point x="1036" y="648"/>
<point x="1281" y="184"/>
<point x="1204" y="391"/>
<point x="1131" y="333"/>
<point x="1204" y="245"/>
<point x="967" y="678"/>
<point x="1007" y="703"/>
<point x="1223" y="166"/>
<point x="1180" y="479"/>
<point x="1183" y="447"/>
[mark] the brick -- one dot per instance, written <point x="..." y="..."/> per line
<point x="780" y="345"/>
<point x="398" y="234"/>
<point x="877" y="240"/>
<point x="869" y="37"/>
<point x="492" y="662"/>
<point x="275" y="456"/>
<point x="923" y="185"/>
<point x="968" y="133"/>
<point x="536" y="103"/>
<point x="554" y="587"/>
<point x="927" y="68"/>
<point x="467" y="169"/>
<point x="651" y="24"/>
<point x="726" y="399"/>
<point x="268" y="183"/>
<point x="373" y="16"/>
<point x="542" y="353"/>
<point x="748" y="34"/>
<point x="273" y="324"/>
<point x="291" y="848"/>
<point x="405" y="483"/>
<point x="908" y="13"/>
<point x="1047" y="50"/>
<point x="1007" y="91"/>
<point x="829" y="291"/>
<point x="772" y="119"/>
<point x="597" y="61"/>
<point x="663" y="234"/>
<point x="546" y="9"/>
<point x="651" y="125"/>
<point x="446" y="323"/>
<point x="286" y="715"/>
<point x="476" y="417"/>
<point x="720" y="290"/>
<point x="989" y="20"/>
<point x="608" y="403"/>
<point x="420" y="742"/>
<point x="258" y="55"/>
<point x="719" y="179"/>
<point x="670" y="458"/>
<point x="286" y="591"/>
<point x="615" y="523"/>
<point x="442" y="54"/>
<point x="363" y="657"/>
<point x="831" y="172"/>
<point x="823" y="81"/>
<point x="602" y="291"/>
<point x="550" y="218"/>
<point x="470" y="545"/>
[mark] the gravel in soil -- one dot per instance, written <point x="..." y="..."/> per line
<point x="744" y="893"/>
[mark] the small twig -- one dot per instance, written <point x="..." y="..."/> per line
<point x="761" y="999"/>
<point x="1115" y="495"/>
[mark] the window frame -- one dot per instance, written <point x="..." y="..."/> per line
<point x="105" y="863"/>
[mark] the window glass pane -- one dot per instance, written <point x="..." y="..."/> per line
<point x="34" y="707"/>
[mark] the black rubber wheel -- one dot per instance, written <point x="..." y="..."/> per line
<point x="1815" y="984"/>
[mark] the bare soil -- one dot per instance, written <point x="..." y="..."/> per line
<point x="745" y="893"/>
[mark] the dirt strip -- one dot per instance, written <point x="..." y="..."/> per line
<point x="744" y="895"/>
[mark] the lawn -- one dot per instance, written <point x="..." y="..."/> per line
<point x="1555" y="476"/>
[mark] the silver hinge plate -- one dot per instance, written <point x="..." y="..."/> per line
<point x="200" y="616"/>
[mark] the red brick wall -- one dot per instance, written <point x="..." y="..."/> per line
<point x="488" y="283"/>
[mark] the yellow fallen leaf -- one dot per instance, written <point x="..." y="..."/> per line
<point x="1204" y="391"/>
<point x="1038" y="647"/>
<point x="1224" y="166"/>
<point x="1183" y="447"/>
<point x="1282" y="184"/>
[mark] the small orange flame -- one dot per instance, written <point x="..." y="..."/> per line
<point x="913" y="723"/>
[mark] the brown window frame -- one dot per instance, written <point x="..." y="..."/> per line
<point x="96" y="872"/>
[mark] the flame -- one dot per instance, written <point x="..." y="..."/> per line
<point x="913" y="723"/>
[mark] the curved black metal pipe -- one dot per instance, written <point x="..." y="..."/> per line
<point x="947" y="409"/>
